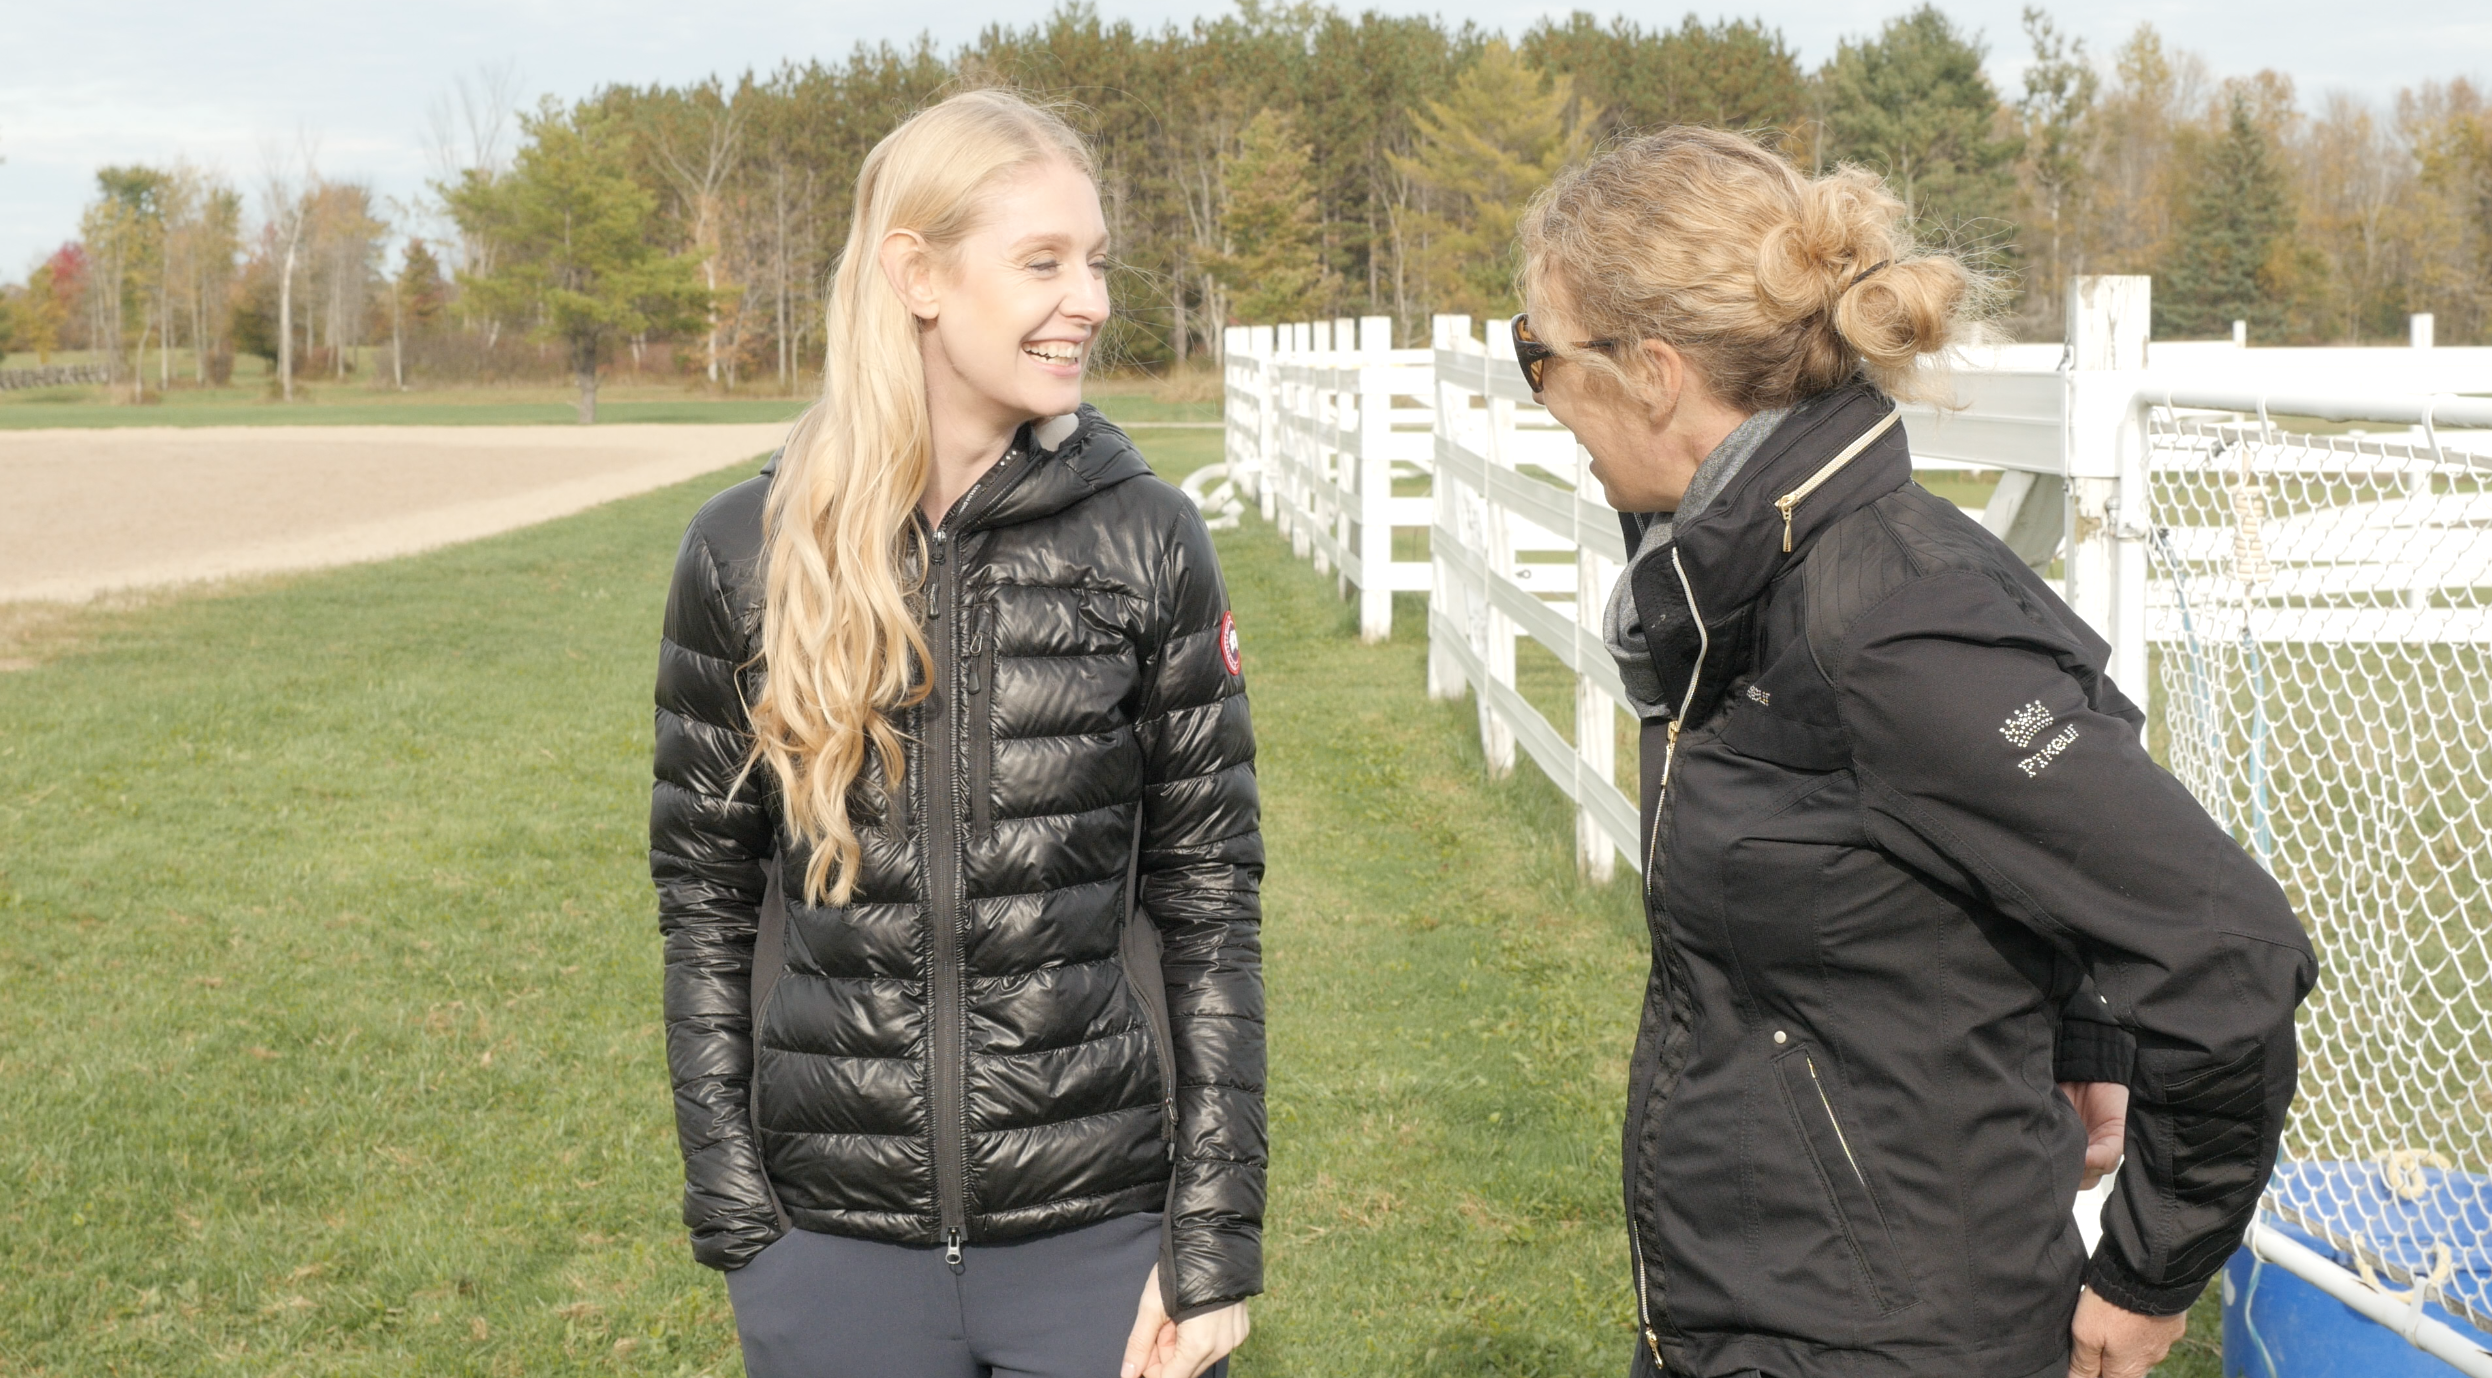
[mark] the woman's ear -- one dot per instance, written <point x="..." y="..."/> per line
<point x="1669" y="374"/>
<point x="909" y="268"/>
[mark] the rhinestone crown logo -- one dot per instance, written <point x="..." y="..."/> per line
<point x="2022" y="724"/>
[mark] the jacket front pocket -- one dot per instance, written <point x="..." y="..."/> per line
<point x="1809" y="1092"/>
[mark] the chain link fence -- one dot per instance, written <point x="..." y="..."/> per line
<point x="2320" y="620"/>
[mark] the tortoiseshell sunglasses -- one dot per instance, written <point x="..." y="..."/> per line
<point x="1534" y="356"/>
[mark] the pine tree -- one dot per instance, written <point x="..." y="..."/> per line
<point x="1480" y="154"/>
<point x="2233" y="215"/>
<point x="1273" y="263"/>
<point x="2057" y="114"/>
<point x="1735" y="74"/>
<point x="1913" y="105"/>
<point x="573" y="252"/>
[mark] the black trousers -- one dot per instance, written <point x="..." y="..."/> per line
<point x="1056" y="1306"/>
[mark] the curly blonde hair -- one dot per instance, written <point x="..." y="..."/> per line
<point x="841" y="650"/>
<point x="1775" y="284"/>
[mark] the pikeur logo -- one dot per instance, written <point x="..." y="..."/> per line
<point x="2024" y="723"/>
<point x="2032" y="765"/>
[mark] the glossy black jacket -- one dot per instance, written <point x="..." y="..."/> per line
<point x="1911" y="865"/>
<point x="980" y="1046"/>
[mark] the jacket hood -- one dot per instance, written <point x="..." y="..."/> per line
<point x="1074" y="456"/>
<point x="1728" y="553"/>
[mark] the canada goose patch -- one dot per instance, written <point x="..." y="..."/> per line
<point x="1228" y="644"/>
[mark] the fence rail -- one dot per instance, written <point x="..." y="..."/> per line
<point x="52" y="376"/>
<point x="2304" y="615"/>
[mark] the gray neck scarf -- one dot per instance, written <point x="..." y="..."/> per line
<point x="1620" y="627"/>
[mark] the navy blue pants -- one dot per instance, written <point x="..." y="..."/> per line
<point x="1057" y="1306"/>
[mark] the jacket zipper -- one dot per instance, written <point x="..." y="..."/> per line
<point x="1839" y="1138"/>
<point x="1652" y="878"/>
<point x="979" y="667"/>
<point x="947" y="915"/>
<point x="1687" y="704"/>
<point x="1792" y="499"/>
<point x="1643" y="1302"/>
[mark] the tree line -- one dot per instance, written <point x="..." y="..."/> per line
<point x="1281" y="163"/>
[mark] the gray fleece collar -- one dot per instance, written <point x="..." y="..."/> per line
<point x="1620" y="627"/>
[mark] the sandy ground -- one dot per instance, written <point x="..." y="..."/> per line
<point x="89" y="512"/>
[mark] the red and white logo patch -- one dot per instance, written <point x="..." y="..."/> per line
<point x="1228" y="644"/>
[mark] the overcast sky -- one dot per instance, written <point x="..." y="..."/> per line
<point x="108" y="81"/>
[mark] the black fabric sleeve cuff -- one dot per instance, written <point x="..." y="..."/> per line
<point x="2091" y="1051"/>
<point x="2112" y="1282"/>
<point x="1186" y="1313"/>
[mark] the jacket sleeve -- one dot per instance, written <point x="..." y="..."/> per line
<point x="708" y="843"/>
<point x="1200" y="872"/>
<point x="1988" y="753"/>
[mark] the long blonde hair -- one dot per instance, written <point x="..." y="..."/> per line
<point x="840" y="648"/>
<point x="1778" y="285"/>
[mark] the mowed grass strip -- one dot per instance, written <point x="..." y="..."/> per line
<point x="321" y="402"/>
<point x="329" y="1018"/>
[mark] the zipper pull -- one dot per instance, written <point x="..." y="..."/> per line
<point x="1785" y="503"/>
<point x="974" y="678"/>
<point x="951" y="1250"/>
<point x="1653" y="1343"/>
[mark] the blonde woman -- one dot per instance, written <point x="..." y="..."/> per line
<point x="954" y="830"/>
<point x="1908" y="864"/>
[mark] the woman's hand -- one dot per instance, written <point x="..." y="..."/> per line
<point x="2104" y="1106"/>
<point x="2110" y="1342"/>
<point x="1162" y="1348"/>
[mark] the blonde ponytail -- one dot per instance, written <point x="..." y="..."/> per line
<point x="1779" y="286"/>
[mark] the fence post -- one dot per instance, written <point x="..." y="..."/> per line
<point x="1596" y="718"/>
<point x="2107" y="328"/>
<point x="1497" y="559"/>
<point x="1267" y="407"/>
<point x="1446" y="604"/>
<point x="1302" y="439"/>
<point x="1375" y="478"/>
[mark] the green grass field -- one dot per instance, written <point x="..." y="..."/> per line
<point x="329" y="1022"/>
<point x="320" y="402"/>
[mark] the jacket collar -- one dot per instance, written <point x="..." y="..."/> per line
<point x="1068" y="458"/>
<point x="1694" y="599"/>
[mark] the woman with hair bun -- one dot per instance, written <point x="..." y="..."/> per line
<point x="955" y="831"/>
<point x="1927" y="921"/>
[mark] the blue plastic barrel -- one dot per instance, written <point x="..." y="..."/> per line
<point x="2278" y="1326"/>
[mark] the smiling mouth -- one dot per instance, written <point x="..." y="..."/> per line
<point x="1054" y="352"/>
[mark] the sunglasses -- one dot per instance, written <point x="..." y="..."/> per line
<point x="1533" y="355"/>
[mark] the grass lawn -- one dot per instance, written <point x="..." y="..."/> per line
<point x="329" y="1022"/>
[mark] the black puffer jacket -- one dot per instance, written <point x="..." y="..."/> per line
<point x="1907" y="824"/>
<point x="981" y="1046"/>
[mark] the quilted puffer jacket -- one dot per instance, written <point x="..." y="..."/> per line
<point x="1043" y="1006"/>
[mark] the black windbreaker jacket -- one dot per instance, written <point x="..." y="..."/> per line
<point x="1044" y="1005"/>
<point x="1908" y="866"/>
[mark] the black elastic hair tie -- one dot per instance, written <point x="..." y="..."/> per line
<point x="1869" y="272"/>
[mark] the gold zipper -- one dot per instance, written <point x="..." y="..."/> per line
<point x="1643" y="1313"/>
<point x="1790" y="500"/>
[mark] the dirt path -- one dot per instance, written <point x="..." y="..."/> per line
<point x="86" y="512"/>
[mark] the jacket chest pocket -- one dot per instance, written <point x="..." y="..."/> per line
<point x="978" y="699"/>
<point x="1836" y="1154"/>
